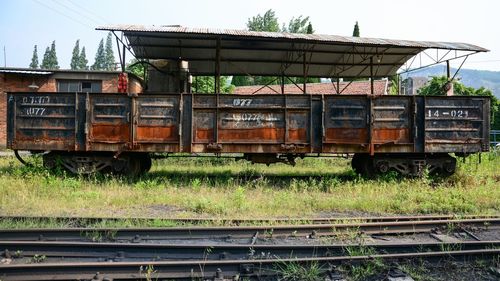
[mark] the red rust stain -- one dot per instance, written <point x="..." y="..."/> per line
<point x="347" y="135"/>
<point x="297" y="135"/>
<point x="254" y="134"/>
<point x="42" y="138"/>
<point x="201" y="135"/>
<point x="110" y="133"/>
<point x="400" y="135"/>
<point x="157" y="133"/>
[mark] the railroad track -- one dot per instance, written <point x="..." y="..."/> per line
<point x="244" y="232"/>
<point x="80" y="253"/>
<point x="206" y="269"/>
<point x="85" y="221"/>
<point x="23" y="251"/>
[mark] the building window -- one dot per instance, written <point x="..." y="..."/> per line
<point x="85" y="86"/>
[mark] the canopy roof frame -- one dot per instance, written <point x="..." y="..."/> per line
<point x="235" y="52"/>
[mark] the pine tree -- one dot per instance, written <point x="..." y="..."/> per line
<point x="34" y="59"/>
<point x="82" y="60"/>
<point x="100" y="57"/>
<point x="46" y="59"/>
<point x="53" y="56"/>
<point x="355" y="32"/>
<point x="310" y="29"/>
<point x="75" y="59"/>
<point x="109" y="56"/>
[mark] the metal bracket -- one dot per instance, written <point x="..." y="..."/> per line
<point x="214" y="146"/>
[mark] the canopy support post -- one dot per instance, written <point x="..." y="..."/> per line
<point x="217" y="67"/>
<point x="304" y="73"/>
<point x="398" y="80"/>
<point x="371" y="75"/>
<point x="448" y="70"/>
<point x="282" y="82"/>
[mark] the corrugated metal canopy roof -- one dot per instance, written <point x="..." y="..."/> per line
<point x="274" y="53"/>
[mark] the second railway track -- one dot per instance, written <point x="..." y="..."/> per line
<point x="23" y="251"/>
<point x="85" y="221"/>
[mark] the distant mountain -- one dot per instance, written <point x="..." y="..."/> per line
<point x="469" y="77"/>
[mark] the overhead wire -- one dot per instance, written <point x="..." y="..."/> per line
<point x="75" y="11"/>
<point x="61" y="13"/>
<point x="88" y="11"/>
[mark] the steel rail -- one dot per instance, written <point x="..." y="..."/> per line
<point x="83" y="221"/>
<point x="189" y="270"/>
<point x="197" y="232"/>
<point x="155" y="252"/>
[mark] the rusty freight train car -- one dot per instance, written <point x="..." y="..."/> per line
<point x="87" y="132"/>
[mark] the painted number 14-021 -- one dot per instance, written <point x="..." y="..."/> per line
<point x="455" y="113"/>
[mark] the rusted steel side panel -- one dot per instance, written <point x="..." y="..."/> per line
<point x="455" y="124"/>
<point x="109" y="122"/>
<point x="391" y="130"/>
<point x="345" y="124"/>
<point x="42" y="121"/>
<point x="203" y="118"/>
<point x="250" y="126"/>
<point x="243" y="123"/>
<point x="203" y="126"/>
<point x="254" y="119"/>
<point x="157" y="119"/>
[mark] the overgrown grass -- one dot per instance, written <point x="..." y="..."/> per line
<point x="211" y="187"/>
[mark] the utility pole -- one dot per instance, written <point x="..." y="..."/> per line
<point x="4" y="57"/>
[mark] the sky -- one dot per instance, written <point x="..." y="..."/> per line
<point x="25" y="23"/>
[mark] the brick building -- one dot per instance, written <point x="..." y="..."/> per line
<point x="346" y="88"/>
<point x="40" y="80"/>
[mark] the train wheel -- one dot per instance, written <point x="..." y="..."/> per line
<point x="367" y="168"/>
<point x="127" y="165"/>
<point x="357" y="163"/>
<point x="146" y="163"/>
<point x="447" y="165"/>
<point x="363" y="164"/>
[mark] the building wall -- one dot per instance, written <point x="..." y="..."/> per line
<point x="411" y="85"/>
<point x="18" y="82"/>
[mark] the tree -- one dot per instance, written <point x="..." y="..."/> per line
<point x="53" y="57"/>
<point x="109" y="55"/>
<point x="34" y="59"/>
<point x="436" y="86"/>
<point x="82" y="60"/>
<point x="45" y="60"/>
<point x="355" y="32"/>
<point x="393" y="85"/>
<point x="75" y="58"/>
<point x="267" y="22"/>
<point x="298" y="25"/>
<point x="136" y="68"/>
<point x="100" y="58"/>
<point x="50" y="58"/>
<point x="242" y="80"/>
<point x="206" y="84"/>
<point x="310" y="29"/>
